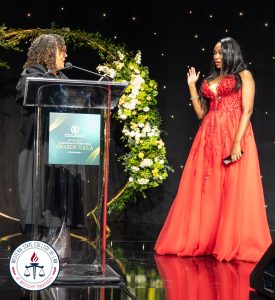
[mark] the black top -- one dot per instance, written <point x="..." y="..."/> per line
<point x="27" y="113"/>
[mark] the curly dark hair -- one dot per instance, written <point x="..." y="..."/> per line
<point x="43" y="50"/>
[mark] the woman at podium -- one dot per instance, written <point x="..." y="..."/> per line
<point x="58" y="211"/>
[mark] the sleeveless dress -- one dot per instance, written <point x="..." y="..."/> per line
<point x="219" y="210"/>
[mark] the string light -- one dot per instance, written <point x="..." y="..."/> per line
<point x="133" y="18"/>
<point x="62" y="8"/>
<point x="164" y="87"/>
<point x="190" y="12"/>
<point x="162" y="54"/>
<point x="28" y="15"/>
<point x="266" y="24"/>
<point x="172" y="116"/>
<point x="196" y="36"/>
<point x="210" y="16"/>
<point x="104" y="15"/>
<point x="240" y="13"/>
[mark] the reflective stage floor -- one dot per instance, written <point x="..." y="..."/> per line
<point x="146" y="275"/>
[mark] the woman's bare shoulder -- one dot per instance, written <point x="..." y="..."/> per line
<point x="246" y="75"/>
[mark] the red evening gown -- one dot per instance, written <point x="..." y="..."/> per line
<point x="219" y="210"/>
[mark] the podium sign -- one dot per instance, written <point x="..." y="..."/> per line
<point x="74" y="139"/>
<point x="70" y="172"/>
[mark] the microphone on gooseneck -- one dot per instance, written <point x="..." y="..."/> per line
<point x="69" y="65"/>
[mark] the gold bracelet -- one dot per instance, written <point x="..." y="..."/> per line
<point x="193" y="98"/>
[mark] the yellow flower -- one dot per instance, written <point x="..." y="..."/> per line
<point x="155" y="172"/>
<point x="141" y="155"/>
<point x="134" y="125"/>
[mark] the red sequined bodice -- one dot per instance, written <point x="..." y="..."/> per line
<point x="227" y="98"/>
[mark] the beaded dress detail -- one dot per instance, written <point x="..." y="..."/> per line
<point x="218" y="210"/>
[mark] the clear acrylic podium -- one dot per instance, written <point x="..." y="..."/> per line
<point x="70" y="172"/>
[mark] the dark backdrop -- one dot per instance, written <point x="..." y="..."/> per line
<point x="171" y="36"/>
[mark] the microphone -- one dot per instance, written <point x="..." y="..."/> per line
<point x="69" y="65"/>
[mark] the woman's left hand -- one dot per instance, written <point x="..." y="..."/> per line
<point x="236" y="152"/>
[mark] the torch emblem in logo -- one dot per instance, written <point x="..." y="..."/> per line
<point x="34" y="266"/>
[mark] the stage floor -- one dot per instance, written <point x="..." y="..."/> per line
<point x="146" y="275"/>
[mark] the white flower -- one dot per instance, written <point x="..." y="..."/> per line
<point x="138" y="134"/>
<point x="156" y="159"/>
<point x="123" y="117"/>
<point x="119" y="65"/>
<point x="161" y="144"/>
<point x="146" y="108"/>
<point x="140" y="125"/>
<point x="154" y="132"/>
<point x="135" y="169"/>
<point x="131" y="179"/>
<point x="138" y="57"/>
<point x="146" y="128"/>
<point x="143" y="181"/>
<point x="161" y="161"/>
<point x="137" y="80"/>
<point x="109" y="71"/>
<point x="147" y="162"/>
<point x="112" y="73"/>
<point x="135" y="91"/>
<point x="132" y="133"/>
<point x="120" y="55"/>
<point x="130" y="105"/>
<point x="103" y="69"/>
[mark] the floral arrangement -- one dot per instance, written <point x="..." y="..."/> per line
<point x="145" y="159"/>
<point x="145" y="162"/>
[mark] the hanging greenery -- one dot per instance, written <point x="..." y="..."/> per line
<point x="144" y="161"/>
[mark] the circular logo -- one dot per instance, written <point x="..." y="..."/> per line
<point x="75" y="129"/>
<point x="34" y="265"/>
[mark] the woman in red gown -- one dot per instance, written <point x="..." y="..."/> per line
<point x="219" y="209"/>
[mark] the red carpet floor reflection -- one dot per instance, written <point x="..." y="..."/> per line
<point x="204" y="278"/>
<point x="148" y="277"/>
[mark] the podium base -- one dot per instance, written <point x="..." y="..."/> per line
<point x="82" y="274"/>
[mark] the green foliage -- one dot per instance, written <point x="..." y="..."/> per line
<point x="145" y="159"/>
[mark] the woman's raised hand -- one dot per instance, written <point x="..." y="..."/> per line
<point x="192" y="76"/>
